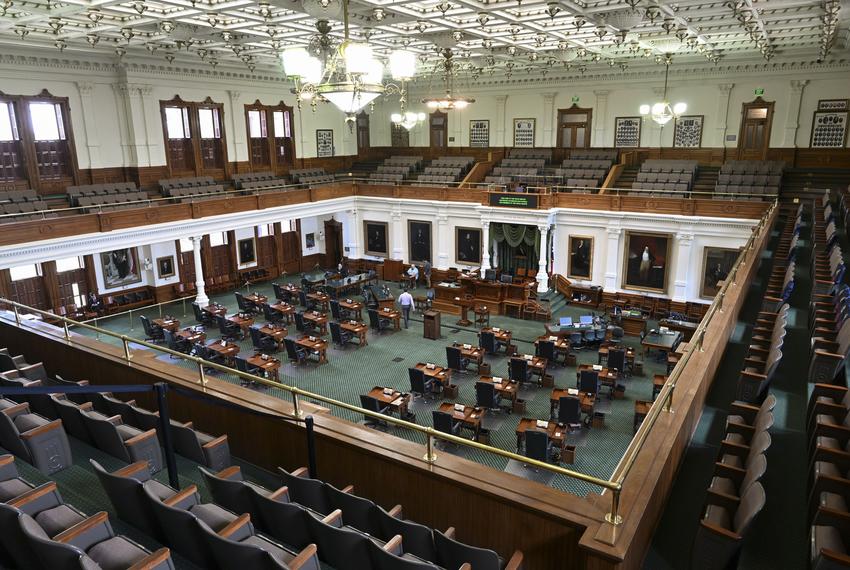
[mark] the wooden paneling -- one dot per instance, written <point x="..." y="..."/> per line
<point x="163" y="213"/>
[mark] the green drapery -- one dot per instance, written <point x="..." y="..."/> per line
<point x="515" y="240"/>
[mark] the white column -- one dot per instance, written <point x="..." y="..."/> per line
<point x="548" y="120"/>
<point x="137" y="143"/>
<point x="442" y="243"/>
<point x="680" y="286"/>
<point x="201" y="297"/>
<point x="485" y="246"/>
<point x="501" y="104"/>
<point x="724" y="91"/>
<point x="542" y="275"/>
<point x="85" y="89"/>
<point x="396" y="239"/>
<point x="601" y="112"/>
<point x="238" y="128"/>
<point x="152" y="120"/>
<point x="612" y="259"/>
<point x="353" y="235"/>
<point x="792" y="119"/>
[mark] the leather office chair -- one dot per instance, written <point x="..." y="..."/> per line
<point x="99" y="545"/>
<point x="576" y="340"/>
<point x="455" y="359"/>
<point x="176" y="344"/>
<point x="519" y="370"/>
<point x="538" y="446"/>
<point x="336" y="313"/>
<point x="153" y="332"/>
<point x="419" y="383"/>
<point x="272" y="316"/>
<point x="243" y="304"/>
<point x="373" y="405"/>
<point x="294" y="352"/>
<point x="546" y="349"/>
<point x="279" y="293"/>
<point x="227" y="329"/>
<point x="486" y="396"/>
<point x="617" y="360"/>
<point x="569" y="412"/>
<point x="589" y="381"/>
<point x="261" y="342"/>
<point x="488" y="342"/>
<point x="339" y="336"/>
<point x="202" y="316"/>
<point x="308" y="304"/>
<point x="445" y="423"/>
<point x="376" y="322"/>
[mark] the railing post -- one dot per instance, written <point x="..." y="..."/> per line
<point x="614" y="516"/>
<point x="96" y="329"/>
<point x="429" y="456"/>
<point x="17" y="315"/>
<point x="183" y="300"/>
<point x="130" y="316"/>
<point x="311" y="448"/>
<point x="299" y="413"/>
<point x="720" y="301"/>
<point x="201" y="375"/>
<point x="160" y="310"/>
<point x="126" y="343"/>
<point x="165" y="429"/>
<point x="65" y="328"/>
<point x="668" y="402"/>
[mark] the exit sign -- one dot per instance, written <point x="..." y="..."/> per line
<point x="759" y="91"/>
<point x="575" y="98"/>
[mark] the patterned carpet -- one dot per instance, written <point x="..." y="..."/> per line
<point x="384" y="362"/>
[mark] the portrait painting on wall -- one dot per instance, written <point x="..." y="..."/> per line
<point x="581" y="257"/>
<point x="647" y="260"/>
<point x="247" y="251"/>
<point x="376" y="238"/>
<point x="120" y="267"/>
<point x="165" y="266"/>
<point x="717" y="262"/>
<point x="468" y="245"/>
<point x="310" y="240"/>
<point x="419" y="234"/>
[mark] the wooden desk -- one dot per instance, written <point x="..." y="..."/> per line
<point x="270" y="366"/>
<point x="353" y="307"/>
<point x="562" y="345"/>
<point x="658" y="382"/>
<point x="276" y="332"/>
<point x="470" y="416"/>
<point x="244" y="322"/>
<point x="228" y="351"/>
<point x="167" y="324"/>
<point x="320" y="298"/>
<point x="633" y="324"/>
<point x="465" y="305"/>
<point x="356" y="328"/>
<point x="315" y="345"/>
<point x="289" y="291"/>
<point x="503" y="336"/>
<point x="320" y="320"/>
<point x="439" y="374"/>
<point x="393" y="314"/>
<point x="588" y="400"/>
<point x="537" y="364"/>
<point x="687" y="328"/>
<point x="397" y="401"/>
<point x="343" y="285"/>
<point x="507" y="389"/>
<point x="663" y="342"/>
<point x="587" y="296"/>
<point x="256" y="299"/>
<point x="472" y="353"/>
<point x="641" y="410"/>
<point x="191" y="335"/>
<point x="215" y="310"/>
<point x="284" y="309"/>
<point x="603" y="353"/>
<point x="606" y="377"/>
<point x="557" y="433"/>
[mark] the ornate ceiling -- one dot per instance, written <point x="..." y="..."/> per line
<point x="487" y="37"/>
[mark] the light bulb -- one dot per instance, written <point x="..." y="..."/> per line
<point x="402" y="64"/>
<point x="680" y="108"/>
<point x="433" y="104"/>
<point x="420" y="117"/>
<point x="461" y="104"/>
<point x="294" y="61"/>
<point x="357" y="57"/>
<point x="374" y="72"/>
<point x="312" y="70"/>
<point x="658" y="108"/>
<point x="395" y="118"/>
<point x="644" y="109"/>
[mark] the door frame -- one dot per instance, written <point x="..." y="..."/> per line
<point x="756" y="103"/>
<point x="431" y="117"/>
<point x="575" y="110"/>
<point x="337" y="229"/>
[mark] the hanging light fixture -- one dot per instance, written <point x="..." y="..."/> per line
<point x="449" y="101"/>
<point x="347" y="75"/>
<point x="663" y="112"/>
<point x="402" y="66"/>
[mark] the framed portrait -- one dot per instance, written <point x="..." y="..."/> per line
<point x="479" y="133"/>
<point x="419" y="241"/>
<point x="581" y="257"/>
<point x="524" y="133"/>
<point x="165" y="266"/>
<point x="717" y="262"/>
<point x="247" y="251"/>
<point x="324" y="142"/>
<point x="829" y="129"/>
<point x="468" y="246"/>
<point x="120" y="267"/>
<point x="310" y="240"/>
<point x="646" y="261"/>
<point x="687" y="131"/>
<point x="376" y="238"/>
<point x="627" y="132"/>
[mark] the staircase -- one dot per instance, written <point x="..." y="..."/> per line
<point x="804" y="183"/>
<point x="363" y="168"/>
<point x="556" y="300"/>
<point x="627" y="177"/>
<point x="706" y="180"/>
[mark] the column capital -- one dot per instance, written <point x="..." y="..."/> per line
<point x="798" y="85"/>
<point x="196" y="239"/>
<point x="601" y="92"/>
<point x="685" y="238"/>
<point x="614" y="232"/>
<point x="501" y="99"/>
<point x="85" y="88"/>
<point x="549" y="97"/>
<point x="725" y="88"/>
<point x="145" y="90"/>
<point x="543" y="228"/>
<point x="234" y="95"/>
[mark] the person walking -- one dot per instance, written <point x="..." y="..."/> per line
<point x="426" y="270"/>
<point x="406" y="302"/>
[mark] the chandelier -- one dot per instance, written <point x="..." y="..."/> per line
<point x="449" y="101"/>
<point x="663" y="112"/>
<point x="402" y="65"/>
<point x="347" y="75"/>
<point x="408" y="119"/>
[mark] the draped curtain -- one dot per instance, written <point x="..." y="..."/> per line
<point x="515" y="240"/>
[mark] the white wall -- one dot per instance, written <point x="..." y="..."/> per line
<point x="164" y="249"/>
<point x="704" y="94"/>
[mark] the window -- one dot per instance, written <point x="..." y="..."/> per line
<point x="47" y="121"/>
<point x="281" y="124"/>
<point x="79" y="298"/>
<point x="265" y="230"/>
<point x="177" y="122"/>
<point x="186" y="245"/>
<point x="8" y="124"/>
<point x="24" y="272"/>
<point x="257" y="124"/>
<point x="208" y="123"/>
<point x="218" y="238"/>
<point x="69" y="264"/>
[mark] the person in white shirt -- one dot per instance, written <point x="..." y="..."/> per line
<point x="413" y="275"/>
<point x="405" y="300"/>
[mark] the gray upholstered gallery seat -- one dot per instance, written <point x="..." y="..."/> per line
<point x="127" y="443"/>
<point x="35" y="439"/>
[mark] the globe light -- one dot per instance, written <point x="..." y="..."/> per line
<point x="644" y="109"/>
<point x="312" y="70"/>
<point x="374" y="72"/>
<point x="680" y="108"/>
<point x="358" y="57"/>
<point x="402" y="64"/>
<point x="294" y="61"/>
<point x="395" y="117"/>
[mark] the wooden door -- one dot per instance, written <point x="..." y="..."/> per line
<point x="439" y="123"/>
<point x="574" y="127"/>
<point x="333" y="243"/>
<point x="362" y="131"/>
<point x="756" y="122"/>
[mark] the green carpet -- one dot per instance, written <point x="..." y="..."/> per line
<point x="384" y="362"/>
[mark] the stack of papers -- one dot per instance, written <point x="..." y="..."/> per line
<point x="542" y="424"/>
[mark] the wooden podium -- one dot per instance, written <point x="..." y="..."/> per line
<point x="431" y="321"/>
